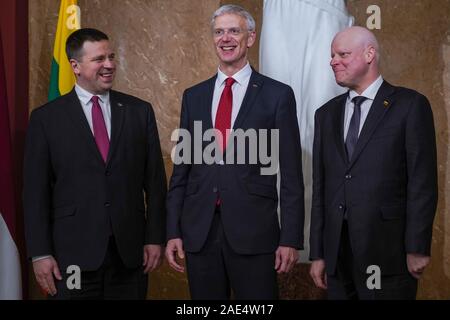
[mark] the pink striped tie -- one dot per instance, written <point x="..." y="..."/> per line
<point x="100" y="132"/>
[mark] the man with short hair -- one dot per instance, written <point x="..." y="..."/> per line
<point x="224" y="215"/>
<point x="374" y="180"/>
<point x="95" y="184"/>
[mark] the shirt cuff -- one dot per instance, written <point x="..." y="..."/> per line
<point x="34" y="259"/>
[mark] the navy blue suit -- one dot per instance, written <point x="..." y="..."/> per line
<point x="249" y="200"/>
<point x="388" y="189"/>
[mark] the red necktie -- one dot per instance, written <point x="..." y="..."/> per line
<point x="223" y="116"/>
<point x="100" y="133"/>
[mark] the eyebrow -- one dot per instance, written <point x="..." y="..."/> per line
<point x="102" y="56"/>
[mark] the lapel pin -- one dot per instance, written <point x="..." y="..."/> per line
<point x="255" y="85"/>
<point x="119" y="104"/>
<point x="386" y="103"/>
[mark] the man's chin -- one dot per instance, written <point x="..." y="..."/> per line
<point x="342" y="83"/>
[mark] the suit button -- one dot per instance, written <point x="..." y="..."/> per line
<point x="108" y="173"/>
<point x="348" y="176"/>
<point x="107" y="204"/>
<point x="215" y="189"/>
<point x="341" y="207"/>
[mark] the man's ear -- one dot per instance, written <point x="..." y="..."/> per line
<point x="75" y="66"/>
<point x="251" y="38"/>
<point x="370" y="54"/>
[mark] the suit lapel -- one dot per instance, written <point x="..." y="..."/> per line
<point x="254" y="85"/>
<point x="207" y="104"/>
<point x="377" y="111"/>
<point x="78" y="117"/>
<point x="338" y="119"/>
<point x="117" y="118"/>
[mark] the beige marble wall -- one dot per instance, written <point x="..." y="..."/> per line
<point x="164" y="46"/>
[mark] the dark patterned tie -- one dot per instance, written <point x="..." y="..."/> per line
<point x="353" y="129"/>
<point x="99" y="126"/>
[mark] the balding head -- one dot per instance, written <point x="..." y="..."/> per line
<point x="355" y="56"/>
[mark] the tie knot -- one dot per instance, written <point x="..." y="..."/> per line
<point x="359" y="100"/>
<point x="229" y="82"/>
<point x="94" y="99"/>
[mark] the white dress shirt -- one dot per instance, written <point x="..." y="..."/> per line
<point x="85" y="100"/>
<point x="239" y="88"/>
<point x="370" y="94"/>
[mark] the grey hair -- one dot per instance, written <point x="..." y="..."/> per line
<point x="234" y="9"/>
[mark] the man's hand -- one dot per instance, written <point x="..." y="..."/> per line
<point x="416" y="264"/>
<point x="285" y="258"/>
<point x="317" y="273"/>
<point x="152" y="257"/>
<point x="44" y="270"/>
<point x="175" y="247"/>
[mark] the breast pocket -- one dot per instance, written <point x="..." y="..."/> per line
<point x="66" y="211"/>
<point x="385" y="133"/>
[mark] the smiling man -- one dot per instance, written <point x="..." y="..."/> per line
<point x="223" y="217"/>
<point x="374" y="180"/>
<point x="95" y="186"/>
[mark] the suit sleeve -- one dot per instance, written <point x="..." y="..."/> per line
<point x="421" y="162"/>
<point x="292" y="208"/>
<point x="155" y="186"/>
<point x="37" y="189"/>
<point x="317" y="207"/>
<point x="178" y="181"/>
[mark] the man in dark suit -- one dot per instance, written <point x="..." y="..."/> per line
<point x="224" y="215"/>
<point x="95" y="184"/>
<point x="374" y="180"/>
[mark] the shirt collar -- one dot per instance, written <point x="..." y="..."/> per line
<point x="241" y="76"/>
<point x="371" y="90"/>
<point x="85" y="96"/>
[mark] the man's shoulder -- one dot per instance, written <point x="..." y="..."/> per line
<point x="403" y="92"/>
<point x="54" y="106"/>
<point x="330" y="104"/>
<point x="201" y="87"/>
<point x="270" y="83"/>
<point x="128" y="99"/>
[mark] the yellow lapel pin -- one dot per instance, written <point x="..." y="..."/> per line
<point x="386" y="103"/>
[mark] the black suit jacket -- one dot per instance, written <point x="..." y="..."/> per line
<point x="249" y="200"/>
<point x="388" y="188"/>
<point x="73" y="201"/>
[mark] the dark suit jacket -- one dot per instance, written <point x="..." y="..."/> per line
<point x="73" y="200"/>
<point x="249" y="200"/>
<point x="388" y="189"/>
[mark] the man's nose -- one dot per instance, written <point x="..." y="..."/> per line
<point x="109" y="63"/>
<point x="226" y="36"/>
<point x="334" y="61"/>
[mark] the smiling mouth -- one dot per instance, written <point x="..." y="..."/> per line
<point x="227" y="48"/>
<point x="107" y="76"/>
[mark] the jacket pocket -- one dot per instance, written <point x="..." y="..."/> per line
<point x="262" y="190"/>
<point x="385" y="132"/>
<point x="393" y="212"/>
<point x="191" y="188"/>
<point x="66" y="211"/>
